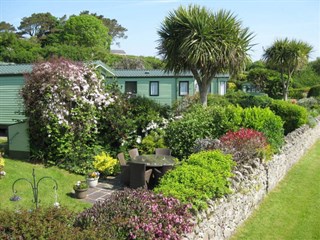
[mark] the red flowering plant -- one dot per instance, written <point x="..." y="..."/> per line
<point x="245" y="144"/>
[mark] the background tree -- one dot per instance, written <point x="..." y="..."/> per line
<point x="316" y="66"/>
<point x="306" y="77"/>
<point x="205" y="43"/>
<point x="116" y="31"/>
<point x="266" y="80"/>
<point x="38" y="24"/>
<point x="6" y="27"/>
<point x="17" y="50"/>
<point x="287" y="56"/>
<point x="86" y="31"/>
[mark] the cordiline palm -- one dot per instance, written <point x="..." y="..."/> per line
<point x="205" y="43"/>
<point x="287" y="56"/>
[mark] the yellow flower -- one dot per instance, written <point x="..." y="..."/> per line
<point x="104" y="163"/>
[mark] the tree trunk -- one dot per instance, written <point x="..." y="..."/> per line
<point x="285" y="85"/>
<point x="203" y="91"/>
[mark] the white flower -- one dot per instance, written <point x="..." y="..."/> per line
<point x="3" y="173"/>
<point x="56" y="204"/>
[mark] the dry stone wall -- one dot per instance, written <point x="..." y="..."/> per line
<point x="250" y="185"/>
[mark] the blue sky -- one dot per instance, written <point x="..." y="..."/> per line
<point x="267" y="19"/>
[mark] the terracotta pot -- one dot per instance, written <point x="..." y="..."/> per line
<point x="80" y="193"/>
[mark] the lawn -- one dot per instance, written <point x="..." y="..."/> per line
<point x="292" y="210"/>
<point x="19" y="169"/>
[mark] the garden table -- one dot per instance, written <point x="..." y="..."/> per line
<point x="152" y="160"/>
<point x="159" y="164"/>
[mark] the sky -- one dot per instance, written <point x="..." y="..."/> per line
<point x="269" y="20"/>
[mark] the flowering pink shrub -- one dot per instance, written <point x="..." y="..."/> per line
<point x="138" y="214"/>
<point x="244" y="144"/>
<point x="63" y="102"/>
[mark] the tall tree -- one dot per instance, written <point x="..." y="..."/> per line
<point x="287" y="56"/>
<point x="205" y="43"/>
<point x="86" y="31"/>
<point x="18" y="50"/>
<point x="38" y="24"/>
<point x="6" y="27"/>
<point x="116" y="31"/>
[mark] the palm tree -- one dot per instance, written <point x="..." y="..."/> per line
<point x="205" y="43"/>
<point x="287" y="56"/>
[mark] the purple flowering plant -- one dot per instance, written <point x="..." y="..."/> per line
<point x="139" y="214"/>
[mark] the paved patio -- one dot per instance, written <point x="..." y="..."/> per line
<point x="104" y="189"/>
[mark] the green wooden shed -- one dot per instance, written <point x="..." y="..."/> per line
<point x="12" y="120"/>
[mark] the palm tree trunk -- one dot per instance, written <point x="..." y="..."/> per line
<point x="203" y="91"/>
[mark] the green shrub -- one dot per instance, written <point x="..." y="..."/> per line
<point x="199" y="123"/>
<point x="129" y="120"/>
<point x="292" y="115"/>
<point x="214" y="161"/>
<point x="265" y="121"/>
<point x="152" y="141"/>
<point x="42" y="223"/>
<point x="214" y="121"/>
<point x="183" y="105"/>
<point x="298" y="93"/>
<point x="203" y="176"/>
<point x="181" y="134"/>
<point x="314" y="91"/>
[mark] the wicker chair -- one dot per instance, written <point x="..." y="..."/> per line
<point x="163" y="151"/>
<point x="122" y="159"/>
<point x="158" y="173"/>
<point x="133" y="153"/>
<point x="139" y="176"/>
<point x="125" y="170"/>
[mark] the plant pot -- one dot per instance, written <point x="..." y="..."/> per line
<point x="80" y="193"/>
<point x="92" y="182"/>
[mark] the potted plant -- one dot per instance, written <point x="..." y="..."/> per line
<point x="80" y="189"/>
<point x="92" y="179"/>
<point x="2" y="172"/>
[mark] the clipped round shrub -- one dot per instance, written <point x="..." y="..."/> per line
<point x="203" y="176"/>
<point x="138" y="214"/>
<point x="292" y="115"/>
<point x="267" y="122"/>
<point x="314" y="91"/>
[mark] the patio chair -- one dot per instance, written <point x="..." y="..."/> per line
<point x="125" y="170"/>
<point x="133" y="153"/>
<point x="163" y="151"/>
<point x="158" y="173"/>
<point x="139" y="176"/>
<point x="122" y="159"/>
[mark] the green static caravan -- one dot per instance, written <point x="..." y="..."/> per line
<point x="11" y="107"/>
<point x="164" y="87"/>
<point x="157" y="85"/>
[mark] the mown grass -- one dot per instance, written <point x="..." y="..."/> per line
<point x="19" y="169"/>
<point x="292" y="210"/>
